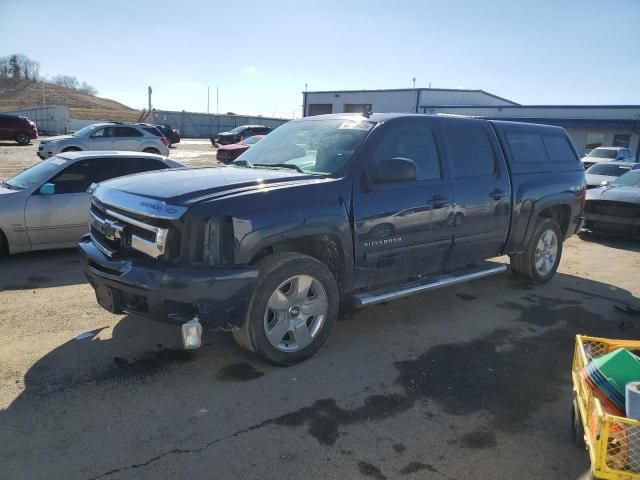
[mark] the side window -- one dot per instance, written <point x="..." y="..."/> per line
<point x="138" y="165"/>
<point x="127" y="132"/>
<point x="471" y="150"/>
<point x="101" y="133"/>
<point x="78" y="177"/>
<point x="558" y="149"/>
<point x="413" y="141"/>
<point x="527" y="147"/>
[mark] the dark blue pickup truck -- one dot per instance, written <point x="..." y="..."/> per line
<point x="331" y="211"/>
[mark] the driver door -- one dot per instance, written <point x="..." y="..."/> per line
<point x="63" y="217"/>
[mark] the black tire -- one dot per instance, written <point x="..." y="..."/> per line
<point x="23" y="139"/>
<point x="577" y="428"/>
<point x="71" y="149"/>
<point x="151" y="150"/>
<point x="523" y="265"/>
<point x="274" y="270"/>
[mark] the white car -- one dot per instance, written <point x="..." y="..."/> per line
<point x="107" y="136"/>
<point x="608" y="154"/>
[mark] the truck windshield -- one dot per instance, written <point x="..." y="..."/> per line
<point x="319" y="147"/>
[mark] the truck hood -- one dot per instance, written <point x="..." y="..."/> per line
<point x="183" y="187"/>
<point x="615" y="194"/>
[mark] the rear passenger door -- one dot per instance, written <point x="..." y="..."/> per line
<point x="127" y="138"/>
<point x="481" y="191"/>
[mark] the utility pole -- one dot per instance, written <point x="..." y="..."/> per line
<point x="149" y="91"/>
<point x="414" y="83"/>
<point x="44" y="101"/>
<point x="217" y="108"/>
<point x="207" y="100"/>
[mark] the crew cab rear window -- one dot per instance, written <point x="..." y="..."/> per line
<point x="470" y="150"/>
<point x="535" y="148"/>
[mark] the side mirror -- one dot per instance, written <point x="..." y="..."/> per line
<point x="47" y="189"/>
<point x="393" y="170"/>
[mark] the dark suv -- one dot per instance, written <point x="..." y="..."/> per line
<point x="20" y="129"/>
<point x="238" y="134"/>
<point x="331" y="210"/>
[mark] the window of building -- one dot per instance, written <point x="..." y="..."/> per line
<point x="320" y="109"/>
<point x="621" y="140"/>
<point x="357" y="107"/>
<point x="593" y="140"/>
<point x="470" y="150"/>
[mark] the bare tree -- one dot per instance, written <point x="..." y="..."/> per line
<point x="14" y="66"/>
<point x="88" y="89"/>
<point x="67" y="81"/>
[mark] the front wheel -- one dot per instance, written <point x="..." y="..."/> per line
<point x="71" y="149"/>
<point x="23" y="139"/>
<point x="539" y="262"/>
<point x="293" y="310"/>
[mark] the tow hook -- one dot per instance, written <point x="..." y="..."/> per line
<point x="192" y="334"/>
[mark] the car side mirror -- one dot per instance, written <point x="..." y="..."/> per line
<point x="47" y="189"/>
<point x="392" y="170"/>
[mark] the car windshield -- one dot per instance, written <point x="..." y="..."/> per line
<point x="607" y="169"/>
<point x="37" y="174"/>
<point x="603" y="153"/>
<point x="237" y="130"/>
<point x="319" y="147"/>
<point x="629" y="179"/>
<point x="84" y="131"/>
<point x="250" y="140"/>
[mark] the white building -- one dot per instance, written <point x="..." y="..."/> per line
<point x="590" y="126"/>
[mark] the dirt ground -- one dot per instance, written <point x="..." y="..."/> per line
<point x="466" y="382"/>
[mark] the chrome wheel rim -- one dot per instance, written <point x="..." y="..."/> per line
<point x="295" y="313"/>
<point x="546" y="252"/>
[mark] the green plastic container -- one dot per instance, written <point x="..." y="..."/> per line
<point x="619" y="367"/>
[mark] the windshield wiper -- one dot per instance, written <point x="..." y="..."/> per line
<point x="280" y="165"/>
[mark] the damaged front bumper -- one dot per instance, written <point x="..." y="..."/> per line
<point x="217" y="296"/>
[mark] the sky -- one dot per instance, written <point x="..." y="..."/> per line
<point x="261" y="54"/>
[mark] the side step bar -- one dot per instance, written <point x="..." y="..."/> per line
<point x="431" y="283"/>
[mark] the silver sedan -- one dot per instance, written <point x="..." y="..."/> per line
<point x="47" y="206"/>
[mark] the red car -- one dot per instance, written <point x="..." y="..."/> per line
<point x="228" y="153"/>
<point x="20" y="129"/>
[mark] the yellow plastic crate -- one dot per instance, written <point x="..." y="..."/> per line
<point x="613" y="442"/>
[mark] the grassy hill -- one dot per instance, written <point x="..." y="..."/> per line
<point x="15" y="94"/>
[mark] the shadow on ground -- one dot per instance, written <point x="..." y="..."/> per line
<point x="32" y="270"/>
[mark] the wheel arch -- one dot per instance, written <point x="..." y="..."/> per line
<point x="557" y="207"/>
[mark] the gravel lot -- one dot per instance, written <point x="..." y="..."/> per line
<point x="464" y="382"/>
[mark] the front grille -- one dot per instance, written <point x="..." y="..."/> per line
<point x="613" y="209"/>
<point x="116" y="233"/>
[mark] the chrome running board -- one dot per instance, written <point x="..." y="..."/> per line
<point x="430" y="283"/>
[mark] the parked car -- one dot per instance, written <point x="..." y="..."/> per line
<point x="271" y="245"/>
<point x="169" y="133"/>
<point x="20" y="129"/>
<point x="615" y="208"/>
<point x="107" y="136"/>
<point x="608" y="154"/>
<point x="47" y="206"/>
<point x="228" y="153"/>
<point x="238" y="134"/>
<point x="601" y="173"/>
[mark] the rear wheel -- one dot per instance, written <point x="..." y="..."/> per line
<point x="539" y="262"/>
<point x="23" y="139"/>
<point x="293" y="309"/>
<point x="151" y="150"/>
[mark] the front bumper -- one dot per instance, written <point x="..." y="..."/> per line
<point x="174" y="294"/>
<point x="44" y="152"/>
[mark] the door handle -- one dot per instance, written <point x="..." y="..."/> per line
<point x="439" y="201"/>
<point x="497" y="194"/>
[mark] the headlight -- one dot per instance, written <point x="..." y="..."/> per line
<point x="212" y="252"/>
